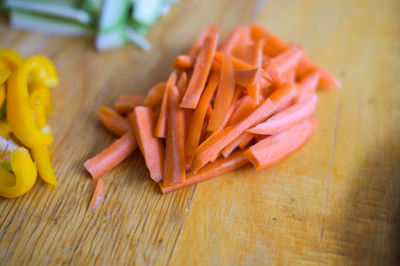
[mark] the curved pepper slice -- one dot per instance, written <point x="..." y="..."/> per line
<point x="19" y="112"/>
<point x="5" y="129"/>
<point x="43" y="94"/>
<point x="41" y="157"/>
<point x="10" y="58"/>
<point x="23" y="174"/>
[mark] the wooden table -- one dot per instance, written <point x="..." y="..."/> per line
<point x="336" y="201"/>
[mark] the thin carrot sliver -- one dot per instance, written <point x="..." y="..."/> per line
<point x="126" y="103"/>
<point x="200" y="40"/>
<point x="216" y="143"/>
<point x="246" y="140"/>
<point x="182" y="83"/>
<point x="160" y="128"/>
<point x="113" y="121"/>
<point x="183" y="62"/>
<point x="201" y="71"/>
<point x="155" y="95"/>
<point x="327" y="79"/>
<point x="288" y="117"/>
<point x="197" y="121"/>
<point x="273" y="149"/>
<point x="247" y="77"/>
<point x="174" y="166"/>
<point x="151" y="147"/>
<point x="283" y="63"/>
<point x="234" y="104"/>
<point x="233" y="145"/>
<point x="98" y="195"/>
<point x="218" y="167"/>
<point x="111" y="156"/>
<point x="307" y="86"/>
<point x="273" y="45"/>
<point x="232" y="41"/>
<point x="237" y="63"/>
<point x="245" y="107"/>
<point x="224" y="95"/>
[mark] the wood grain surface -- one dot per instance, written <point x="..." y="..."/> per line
<point x="336" y="201"/>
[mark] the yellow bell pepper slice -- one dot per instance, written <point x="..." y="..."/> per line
<point x="2" y="95"/>
<point x="5" y="129"/>
<point x="41" y="157"/>
<point x="20" y="115"/>
<point x="4" y="74"/>
<point x="43" y="92"/>
<point x="10" y="58"/>
<point x="22" y="178"/>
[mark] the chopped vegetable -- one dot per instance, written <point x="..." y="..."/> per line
<point x="225" y="106"/>
<point x="113" y="121"/>
<point x="97" y="195"/>
<point x="111" y="156"/>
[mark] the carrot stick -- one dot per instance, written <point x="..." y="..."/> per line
<point x="183" y="62"/>
<point x="200" y="40"/>
<point x="307" y="86"/>
<point x="160" y="128"/>
<point x="201" y="71"/>
<point x="327" y="80"/>
<point x="151" y="147"/>
<point x="246" y="140"/>
<point x="111" y="156"/>
<point x="273" y="149"/>
<point x="247" y="77"/>
<point x="264" y="83"/>
<point x="182" y="83"/>
<point x="113" y="121"/>
<point x="195" y="128"/>
<point x="286" y="118"/>
<point x="232" y="107"/>
<point x="233" y="40"/>
<point x="283" y="63"/>
<point x="219" y="167"/>
<point x="244" y="109"/>
<point x="126" y="103"/>
<point x="97" y="195"/>
<point x="273" y="45"/>
<point x="224" y="95"/>
<point x="237" y="63"/>
<point x="217" y="142"/>
<point x="233" y="145"/>
<point x="155" y="95"/>
<point x="174" y="166"/>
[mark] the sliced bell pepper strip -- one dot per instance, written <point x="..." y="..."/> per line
<point x="19" y="113"/>
<point x="11" y="58"/>
<point x="41" y="157"/>
<point x="21" y="179"/>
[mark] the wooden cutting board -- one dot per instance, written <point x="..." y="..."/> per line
<point x="336" y="201"/>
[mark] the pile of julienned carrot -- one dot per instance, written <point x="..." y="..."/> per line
<point x="247" y="99"/>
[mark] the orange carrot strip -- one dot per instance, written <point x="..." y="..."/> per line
<point x="241" y="48"/>
<point x="246" y="140"/>
<point x="126" y="103"/>
<point x="174" y="167"/>
<point x="195" y="128"/>
<point x="264" y="83"/>
<point x="160" y="128"/>
<point x="273" y="149"/>
<point x="224" y="96"/>
<point x="183" y="62"/>
<point x="152" y="149"/>
<point x="98" y="195"/>
<point x="286" y="118"/>
<point x="244" y="109"/>
<point x="237" y="63"/>
<point x="232" y="41"/>
<point x="327" y="80"/>
<point x="217" y="142"/>
<point x="280" y="65"/>
<point x="182" y="83"/>
<point x="201" y="71"/>
<point x="219" y="167"/>
<point x="232" y="108"/>
<point x="233" y="145"/>
<point x="307" y="86"/>
<point x="111" y="156"/>
<point x="200" y="40"/>
<point x="155" y="95"/>
<point x="113" y="121"/>
<point x="273" y="45"/>
<point x="247" y="77"/>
